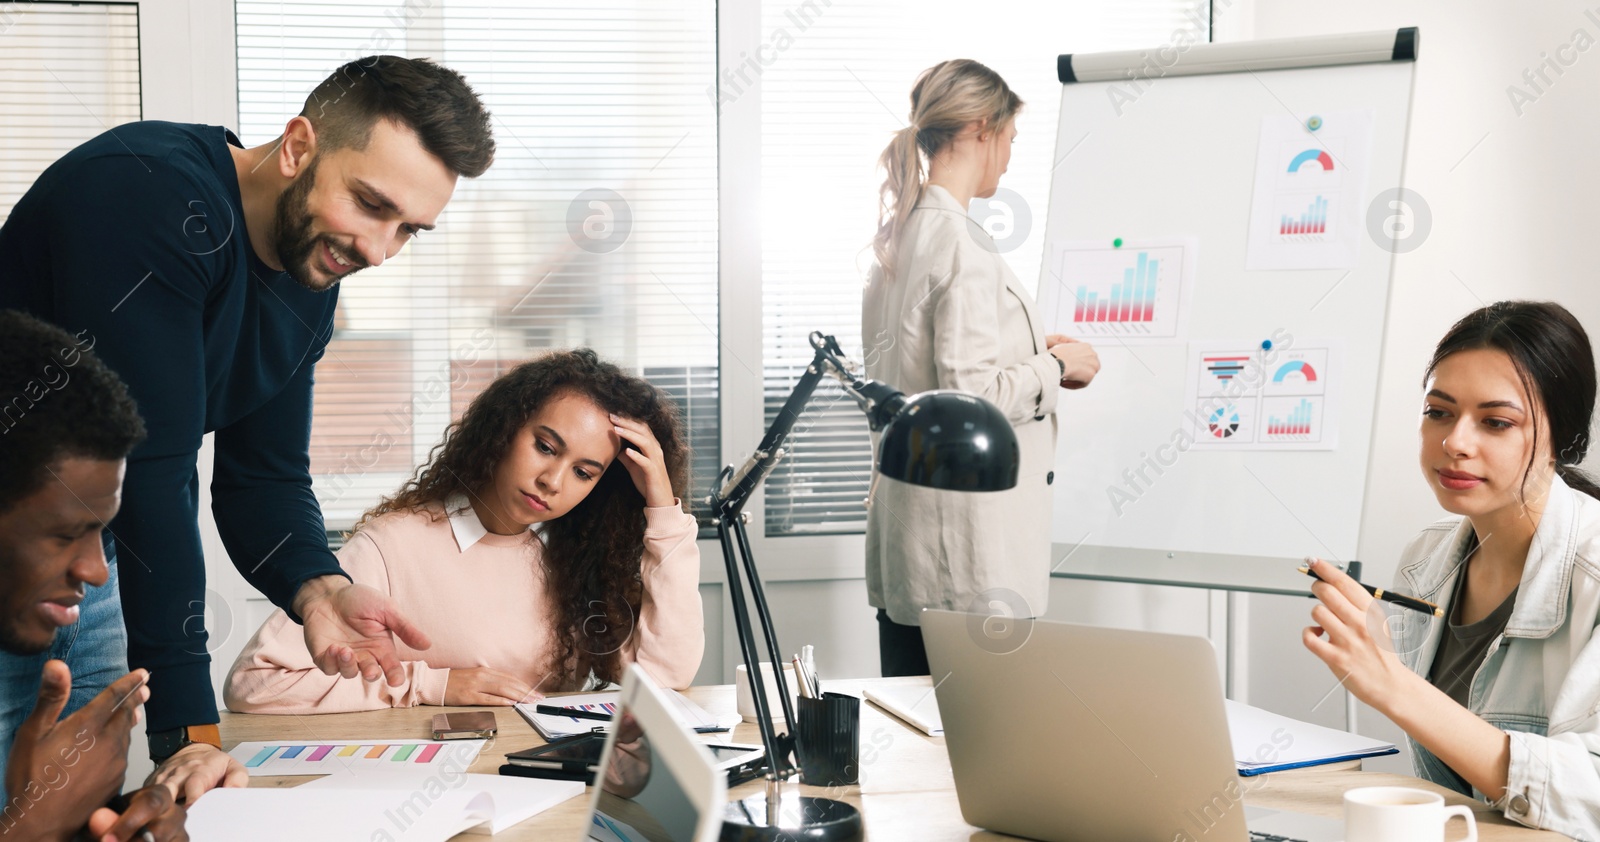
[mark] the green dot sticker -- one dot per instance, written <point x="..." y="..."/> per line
<point x="1117" y="243"/>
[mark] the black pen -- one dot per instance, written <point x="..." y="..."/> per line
<point x="575" y="713"/>
<point x="1390" y="596"/>
<point x="579" y="713"/>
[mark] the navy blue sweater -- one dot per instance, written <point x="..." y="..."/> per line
<point x="138" y="237"/>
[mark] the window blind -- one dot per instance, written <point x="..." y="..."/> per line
<point x="595" y="227"/>
<point x="836" y="82"/>
<point x="71" y="72"/>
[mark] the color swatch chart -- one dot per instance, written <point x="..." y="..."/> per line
<point x="332" y="757"/>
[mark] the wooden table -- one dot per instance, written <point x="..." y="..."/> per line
<point x="906" y="790"/>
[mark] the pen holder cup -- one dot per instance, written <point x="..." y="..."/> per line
<point x="828" y="731"/>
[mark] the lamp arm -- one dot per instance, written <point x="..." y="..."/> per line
<point x="880" y="402"/>
<point x="742" y="483"/>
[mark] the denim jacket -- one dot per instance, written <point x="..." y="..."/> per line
<point x="1540" y="680"/>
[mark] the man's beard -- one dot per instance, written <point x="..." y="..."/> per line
<point x="14" y="644"/>
<point x="295" y="244"/>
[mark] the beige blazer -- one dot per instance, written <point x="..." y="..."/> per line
<point x="954" y="317"/>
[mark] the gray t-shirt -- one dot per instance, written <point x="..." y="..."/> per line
<point x="1464" y="645"/>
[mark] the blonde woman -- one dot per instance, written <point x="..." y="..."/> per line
<point x="943" y="311"/>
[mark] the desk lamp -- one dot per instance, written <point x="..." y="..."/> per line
<point x="937" y="439"/>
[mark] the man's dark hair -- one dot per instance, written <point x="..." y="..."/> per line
<point x="57" y="401"/>
<point x="431" y="100"/>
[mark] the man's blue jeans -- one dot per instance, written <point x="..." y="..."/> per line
<point x="95" y="649"/>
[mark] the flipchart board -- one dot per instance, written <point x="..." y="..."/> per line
<point x="1222" y="227"/>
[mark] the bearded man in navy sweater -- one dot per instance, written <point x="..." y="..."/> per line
<point x="205" y="275"/>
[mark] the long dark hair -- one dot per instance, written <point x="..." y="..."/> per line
<point x="591" y="554"/>
<point x="1553" y="359"/>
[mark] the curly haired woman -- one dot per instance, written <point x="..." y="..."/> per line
<point x="544" y="547"/>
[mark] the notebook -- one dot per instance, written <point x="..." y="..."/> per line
<point x="1264" y="742"/>
<point x="553" y="727"/>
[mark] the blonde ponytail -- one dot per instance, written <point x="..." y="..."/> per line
<point x="899" y="193"/>
<point x="945" y="99"/>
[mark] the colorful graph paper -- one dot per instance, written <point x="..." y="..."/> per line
<point x="332" y="757"/>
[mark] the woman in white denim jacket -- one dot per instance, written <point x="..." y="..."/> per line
<point x="1510" y="393"/>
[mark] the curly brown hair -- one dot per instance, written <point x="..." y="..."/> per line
<point x="591" y="554"/>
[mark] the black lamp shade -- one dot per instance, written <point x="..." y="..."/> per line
<point x="952" y="441"/>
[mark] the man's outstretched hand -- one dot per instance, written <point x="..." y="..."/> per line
<point x="349" y="629"/>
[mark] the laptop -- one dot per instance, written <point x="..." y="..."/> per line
<point x="655" y="783"/>
<point x="1071" y="733"/>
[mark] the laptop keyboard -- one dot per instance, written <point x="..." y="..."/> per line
<point x="1258" y="836"/>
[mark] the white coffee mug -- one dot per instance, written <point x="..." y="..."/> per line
<point x="747" y="703"/>
<point x="1400" y="814"/>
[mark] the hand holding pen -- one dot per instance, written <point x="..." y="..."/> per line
<point x="1356" y="643"/>
<point x="1401" y="600"/>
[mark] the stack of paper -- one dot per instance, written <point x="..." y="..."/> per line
<point x="1266" y="742"/>
<point x="552" y="727"/>
<point x="375" y="805"/>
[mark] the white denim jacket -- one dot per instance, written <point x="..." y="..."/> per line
<point x="1540" y="681"/>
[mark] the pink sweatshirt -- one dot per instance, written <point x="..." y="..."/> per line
<point x="481" y="599"/>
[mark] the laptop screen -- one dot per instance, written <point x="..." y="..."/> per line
<point x="640" y="799"/>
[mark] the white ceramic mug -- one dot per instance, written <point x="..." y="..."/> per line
<point x="1400" y="814"/>
<point x="747" y="703"/>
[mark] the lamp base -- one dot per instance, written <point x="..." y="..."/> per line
<point x="799" y="817"/>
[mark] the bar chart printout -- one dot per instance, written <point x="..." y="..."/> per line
<point x="1131" y="292"/>
<point x="1292" y="419"/>
<point x="1297" y="424"/>
<point x="1241" y="397"/>
<point x="1313" y="220"/>
<point x="1132" y="300"/>
<point x="335" y="757"/>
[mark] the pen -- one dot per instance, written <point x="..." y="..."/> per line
<point x="575" y="713"/>
<point x="800" y="678"/>
<point x="578" y="713"/>
<point x="1389" y="596"/>
<point x="808" y="656"/>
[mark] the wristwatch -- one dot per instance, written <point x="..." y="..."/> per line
<point x="164" y="744"/>
<point x="1063" y="364"/>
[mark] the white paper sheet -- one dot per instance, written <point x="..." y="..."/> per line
<point x="1309" y="204"/>
<point x="514" y="799"/>
<point x="1137" y="293"/>
<point x="265" y="814"/>
<point x="1241" y="396"/>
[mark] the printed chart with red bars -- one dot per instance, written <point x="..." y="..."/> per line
<point x="333" y="757"/>
<point x="1262" y="398"/>
<point x="1312" y="220"/>
<point x="1135" y="291"/>
<point x="1133" y="300"/>
<point x="1292" y="419"/>
<point x="1297" y="424"/>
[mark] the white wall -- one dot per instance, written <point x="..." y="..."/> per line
<point x="1506" y="191"/>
